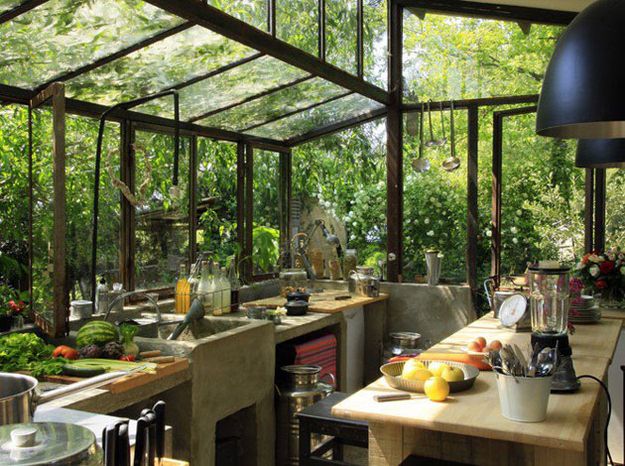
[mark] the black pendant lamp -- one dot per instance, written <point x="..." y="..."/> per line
<point x="583" y="93"/>
<point x="600" y="153"/>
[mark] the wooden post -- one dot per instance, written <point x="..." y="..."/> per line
<point x="241" y="206"/>
<point x="600" y="193"/>
<point x="394" y="149"/>
<point x="127" y="227"/>
<point x="249" y="212"/>
<point x="497" y="168"/>
<point x="284" y="201"/>
<point x="192" y="199"/>
<point x="472" y="207"/>
<point x="589" y="209"/>
<point x="321" y="33"/>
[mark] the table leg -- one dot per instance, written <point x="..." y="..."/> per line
<point x="385" y="445"/>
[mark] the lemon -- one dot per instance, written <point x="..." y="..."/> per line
<point x="416" y="373"/>
<point x="436" y="388"/>
<point x="437" y="368"/>
<point x="452" y="374"/>
<point x="414" y="363"/>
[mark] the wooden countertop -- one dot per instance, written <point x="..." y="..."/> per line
<point x="476" y="412"/>
<point x="324" y="302"/>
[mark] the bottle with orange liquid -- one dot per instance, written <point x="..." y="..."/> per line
<point x="182" y="297"/>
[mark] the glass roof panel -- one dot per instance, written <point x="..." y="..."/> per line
<point x="254" y="12"/>
<point x="62" y="35"/>
<point x="272" y="106"/>
<point x="190" y="53"/>
<point x="335" y="111"/>
<point x="226" y="88"/>
<point x="341" y="34"/>
<point x="6" y="5"/>
<point x="375" y="42"/>
<point x="297" y="23"/>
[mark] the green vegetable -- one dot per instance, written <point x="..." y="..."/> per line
<point x="111" y="365"/>
<point x="69" y="369"/>
<point x="28" y="352"/>
<point x="128" y="332"/>
<point x="97" y="332"/>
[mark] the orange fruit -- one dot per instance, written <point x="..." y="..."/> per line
<point x="481" y="341"/>
<point x="475" y="346"/>
<point x="495" y="345"/>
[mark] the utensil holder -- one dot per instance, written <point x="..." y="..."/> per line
<point x="524" y="399"/>
<point x="433" y="263"/>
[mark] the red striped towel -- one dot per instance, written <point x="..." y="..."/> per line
<point x="320" y="352"/>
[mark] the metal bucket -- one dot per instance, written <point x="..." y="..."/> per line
<point x="300" y="390"/>
<point x="433" y="264"/>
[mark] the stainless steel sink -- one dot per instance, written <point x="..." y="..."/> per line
<point x="206" y="327"/>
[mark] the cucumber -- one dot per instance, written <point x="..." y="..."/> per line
<point x="74" y="371"/>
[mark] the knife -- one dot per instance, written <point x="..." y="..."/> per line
<point x="159" y="412"/>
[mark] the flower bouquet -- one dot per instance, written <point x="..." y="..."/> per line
<point x="603" y="274"/>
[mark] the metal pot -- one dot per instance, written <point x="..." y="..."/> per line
<point x="47" y="444"/>
<point x="19" y="396"/>
<point x="364" y="283"/>
<point x="301" y="389"/>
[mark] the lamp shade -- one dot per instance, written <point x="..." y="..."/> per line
<point x="583" y="92"/>
<point x="600" y="153"/>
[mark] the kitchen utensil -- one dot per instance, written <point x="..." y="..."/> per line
<point x="364" y="282"/>
<point x="433" y="265"/>
<point x="298" y="295"/>
<point x="109" y="438"/>
<point x="81" y="309"/>
<point x="53" y="443"/>
<point x="453" y="162"/>
<point x="159" y="412"/>
<point x="404" y="344"/>
<point x="123" y="445"/>
<point x="549" y="300"/>
<point x="523" y="399"/>
<point x="151" y="421"/>
<point x="431" y="142"/>
<point x="392" y="374"/>
<point x="392" y="397"/>
<point x="442" y="141"/>
<point x="19" y="396"/>
<point x="421" y="165"/>
<point x="513" y="311"/>
<point x="296" y="308"/>
<point x="140" y="440"/>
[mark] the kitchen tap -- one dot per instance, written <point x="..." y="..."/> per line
<point x="195" y="313"/>
<point x="123" y="296"/>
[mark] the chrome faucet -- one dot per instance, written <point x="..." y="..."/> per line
<point x="195" y="313"/>
<point x="123" y="296"/>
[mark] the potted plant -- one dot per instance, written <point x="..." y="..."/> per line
<point x="10" y="306"/>
<point x="603" y="275"/>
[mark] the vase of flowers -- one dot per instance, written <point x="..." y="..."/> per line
<point x="603" y="275"/>
<point x="11" y="307"/>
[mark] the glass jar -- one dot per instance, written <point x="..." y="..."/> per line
<point x="549" y="300"/>
<point x="350" y="261"/>
<point x="292" y="279"/>
<point x="406" y="344"/>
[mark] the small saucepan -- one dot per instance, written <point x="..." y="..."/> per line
<point x="19" y="396"/>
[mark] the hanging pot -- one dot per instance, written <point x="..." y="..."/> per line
<point x="452" y="162"/>
<point x="421" y="165"/>
<point x="19" y="396"/>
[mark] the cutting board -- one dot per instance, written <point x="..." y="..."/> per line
<point x="325" y="302"/>
<point x="133" y="380"/>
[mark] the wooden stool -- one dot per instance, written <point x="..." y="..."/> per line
<point x="318" y="419"/>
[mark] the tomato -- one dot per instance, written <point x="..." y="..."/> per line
<point x="127" y="357"/>
<point x="65" y="351"/>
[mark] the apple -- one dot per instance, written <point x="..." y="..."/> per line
<point x="437" y="368"/>
<point x="495" y="345"/>
<point x="436" y="388"/>
<point x="481" y="341"/>
<point x="475" y="347"/>
<point x="412" y="364"/>
<point x="453" y="374"/>
<point x="416" y="374"/>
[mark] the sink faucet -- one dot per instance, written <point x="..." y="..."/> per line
<point x="196" y="312"/>
<point x="123" y="296"/>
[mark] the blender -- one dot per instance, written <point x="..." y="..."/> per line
<point x="549" y="309"/>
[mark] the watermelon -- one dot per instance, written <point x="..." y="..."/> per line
<point x="97" y="332"/>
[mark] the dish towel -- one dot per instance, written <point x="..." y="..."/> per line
<point x="320" y="352"/>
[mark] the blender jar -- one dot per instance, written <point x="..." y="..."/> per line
<point x="549" y="300"/>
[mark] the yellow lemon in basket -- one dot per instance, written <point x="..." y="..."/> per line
<point x="416" y="373"/>
<point x="412" y="364"/>
<point x="436" y="388"/>
<point x="452" y="374"/>
<point x="437" y="368"/>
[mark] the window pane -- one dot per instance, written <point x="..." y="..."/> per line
<point x="297" y="22"/>
<point x="253" y="12"/>
<point x="226" y="88"/>
<point x="266" y="232"/>
<point x="274" y="105"/>
<point x="350" y="106"/>
<point x="190" y="54"/>
<point x="375" y="42"/>
<point x="435" y="202"/>
<point x="341" y="34"/>
<point x="615" y="208"/>
<point x="217" y="199"/>
<point x="162" y="222"/>
<point x="14" y="197"/>
<point x="81" y="136"/>
<point x="456" y="57"/>
<point x="62" y="35"/>
<point x="341" y="179"/>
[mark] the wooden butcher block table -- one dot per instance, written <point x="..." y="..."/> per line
<point x="469" y="428"/>
<point x="325" y="302"/>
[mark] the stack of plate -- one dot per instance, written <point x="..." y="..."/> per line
<point x="584" y="310"/>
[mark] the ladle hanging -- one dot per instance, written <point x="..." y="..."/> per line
<point x="421" y="165"/>
<point x="431" y="142"/>
<point x="452" y="162"/>
<point x="442" y="141"/>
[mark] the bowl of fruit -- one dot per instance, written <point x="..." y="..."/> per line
<point x="413" y="374"/>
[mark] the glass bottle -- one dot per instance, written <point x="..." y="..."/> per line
<point x="205" y="287"/>
<point x="217" y="288"/>
<point x="226" y="290"/>
<point x="182" y="297"/>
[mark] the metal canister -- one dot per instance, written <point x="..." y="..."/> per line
<point x="364" y="283"/>
<point x="301" y="389"/>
